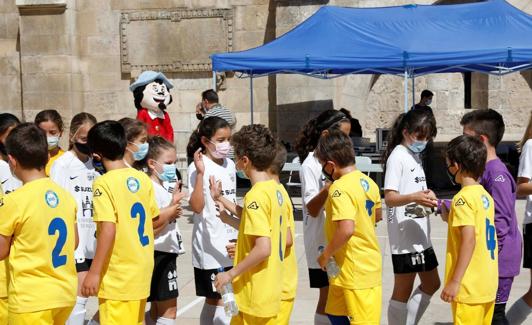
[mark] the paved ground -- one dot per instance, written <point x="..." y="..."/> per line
<point x="189" y="306"/>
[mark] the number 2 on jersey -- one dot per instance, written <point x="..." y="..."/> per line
<point x="490" y="238"/>
<point x="58" y="225"/>
<point x="138" y="209"/>
<point x="369" y="206"/>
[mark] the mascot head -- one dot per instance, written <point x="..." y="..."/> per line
<point x="151" y="91"/>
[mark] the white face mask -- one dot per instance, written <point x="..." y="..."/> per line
<point x="53" y="142"/>
<point x="428" y="102"/>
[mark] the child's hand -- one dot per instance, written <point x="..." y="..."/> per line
<point x="425" y="198"/>
<point x="450" y="291"/>
<point x="444" y="212"/>
<point x="91" y="284"/>
<point x="222" y="279"/>
<point x="322" y="261"/>
<point x="177" y="197"/>
<point x="432" y="195"/>
<point x="215" y="187"/>
<point x="198" y="162"/>
<point x="231" y="248"/>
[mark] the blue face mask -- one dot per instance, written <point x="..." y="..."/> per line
<point x="417" y="146"/>
<point x="142" y="152"/>
<point x="241" y="174"/>
<point x="169" y="173"/>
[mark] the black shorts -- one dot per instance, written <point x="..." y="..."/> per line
<point x="527" y="244"/>
<point x="204" y="280"/>
<point x="83" y="264"/>
<point x="415" y="262"/>
<point x="318" y="278"/>
<point x="164" y="278"/>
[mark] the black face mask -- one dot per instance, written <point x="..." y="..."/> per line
<point x="82" y="147"/>
<point x="3" y="149"/>
<point x="327" y="176"/>
<point x="199" y="116"/>
<point x="452" y="177"/>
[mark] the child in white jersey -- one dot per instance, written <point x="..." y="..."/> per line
<point x="137" y="141"/>
<point x="314" y="189"/>
<point x="160" y="163"/>
<point x="409" y="202"/>
<point x="75" y="172"/>
<point x="9" y="182"/>
<point x="210" y="235"/>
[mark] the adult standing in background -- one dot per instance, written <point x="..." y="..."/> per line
<point x="428" y="155"/>
<point x="425" y="101"/>
<point x="210" y="106"/>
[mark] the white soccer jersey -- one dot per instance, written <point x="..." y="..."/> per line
<point x="209" y="234"/>
<point x="77" y="177"/>
<point x="9" y="181"/>
<point x="313" y="232"/>
<point x="408" y="226"/>
<point x="168" y="240"/>
<point x="525" y="171"/>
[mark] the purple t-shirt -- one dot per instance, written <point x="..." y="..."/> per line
<point x="500" y="184"/>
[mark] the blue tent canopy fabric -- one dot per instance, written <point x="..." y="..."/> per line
<point x="489" y="37"/>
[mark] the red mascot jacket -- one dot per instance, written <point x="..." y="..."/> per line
<point x="157" y="126"/>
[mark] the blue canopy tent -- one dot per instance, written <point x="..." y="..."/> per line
<point x="490" y="37"/>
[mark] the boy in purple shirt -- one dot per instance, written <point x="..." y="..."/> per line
<point x="497" y="180"/>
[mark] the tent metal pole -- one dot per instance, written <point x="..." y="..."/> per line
<point x="406" y="90"/>
<point x="251" y="95"/>
<point x="413" y="89"/>
<point x="213" y="80"/>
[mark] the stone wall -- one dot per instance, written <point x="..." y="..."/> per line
<point x="70" y="60"/>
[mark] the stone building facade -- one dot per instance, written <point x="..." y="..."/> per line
<point x="68" y="55"/>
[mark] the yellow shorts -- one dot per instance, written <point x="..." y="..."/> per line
<point x="480" y="314"/>
<point x="362" y="306"/>
<point x="3" y="310"/>
<point x="283" y="318"/>
<point x="246" y="319"/>
<point x="121" y="312"/>
<point x="43" y="317"/>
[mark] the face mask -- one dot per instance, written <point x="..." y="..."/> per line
<point x="417" y="146"/>
<point x="222" y="149"/>
<point x="199" y="116"/>
<point x="142" y="152"/>
<point x="53" y="142"/>
<point x="327" y="176"/>
<point x="241" y="174"/>
<point x="98" y="166"/>
<point x="168" y="174"/>
<point x="82" y="148"/>
<point x="3" y="149"/>
<point x="428" y="102"/>
<point x="452" y="177"/>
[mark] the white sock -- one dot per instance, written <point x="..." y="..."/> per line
<point x="207" y="314"/>
<point x="397" y="313"/>
<point x="220" y="317"/>
<point x="416" y="306"/>
<point x="77" y="316"/>
<point x="518" y="312"/>
<point x="320" y="319"/>
<point x="165" y="321"/>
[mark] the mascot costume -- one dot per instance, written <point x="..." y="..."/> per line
<point x="152" y="96"/>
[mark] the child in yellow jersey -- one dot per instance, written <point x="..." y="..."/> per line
<point x="289" y="285"/>
<point x="124" y="207"/>
<point x="38" y="233"/>
<point x="471" y="269"/>
<point x="257" y="272"/>
<point x="353" y="204"/>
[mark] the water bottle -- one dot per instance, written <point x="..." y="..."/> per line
<point x="332" y="268"/>
<point x="230" y="306"/>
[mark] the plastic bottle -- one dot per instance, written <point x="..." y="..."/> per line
<point x="332" y="268"/>
<point x="228" y="297"/>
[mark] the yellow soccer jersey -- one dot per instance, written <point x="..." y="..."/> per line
<point x="355" y="197"/>
<point x="41" y="217"/>
<point x="473" y="206"/>
<point x="258" y="290"/>
<point x="290" y="260"/>
<point x="126" y="197"/>
<point x="52" y="160"/>
<point x="3" y="264"/>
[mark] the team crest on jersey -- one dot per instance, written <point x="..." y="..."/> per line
<point x="279" y="198"/>
<point x="365" y="184"/>
<point x="253" y="206"/>
<point x="485" y="202"/>
<point x="51" y="199"/>
<point x="459" y="202"/>
<point x="336" y="194"/>
<point x="133" y="184"/>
